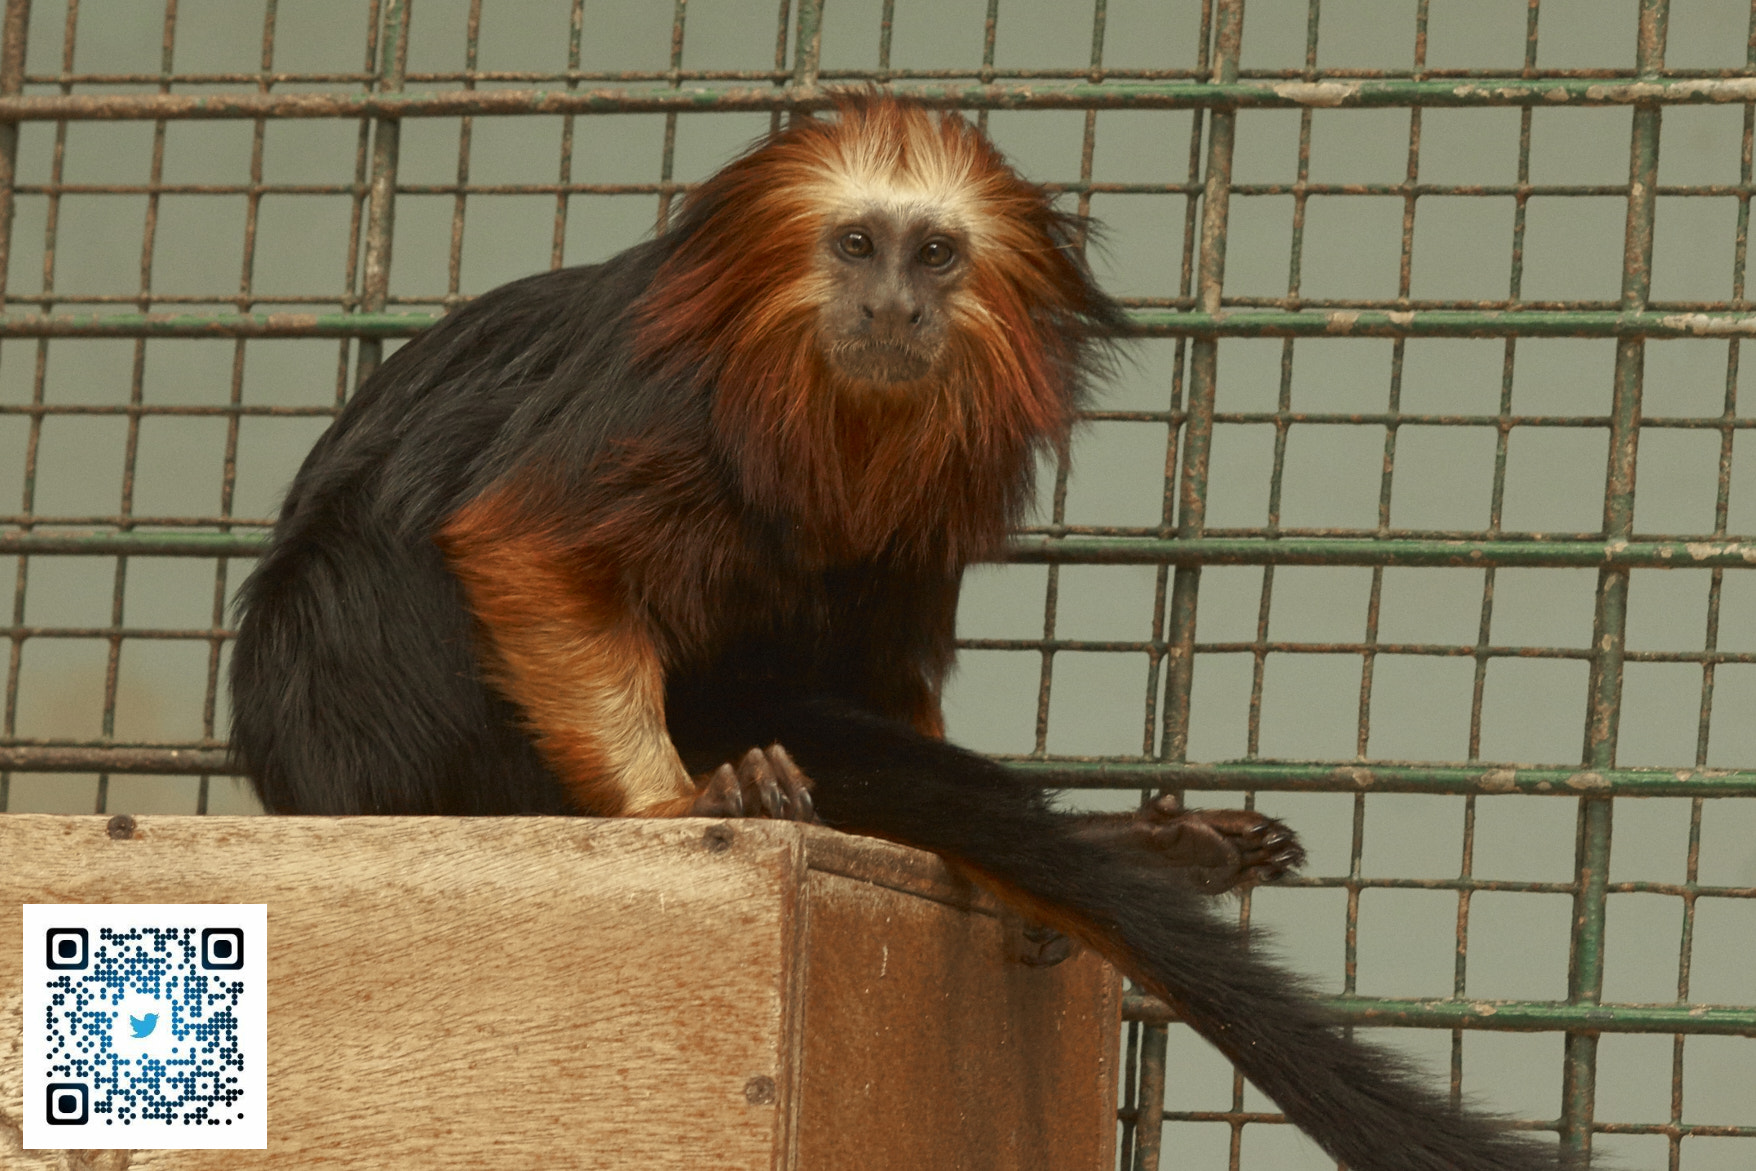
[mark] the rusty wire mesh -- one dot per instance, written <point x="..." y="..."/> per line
<point x="1390" y="449"/>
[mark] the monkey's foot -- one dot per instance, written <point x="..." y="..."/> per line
<point x="765" y="783"/>
<point x="1214" y="850"/>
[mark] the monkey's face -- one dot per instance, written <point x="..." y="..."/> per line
<point x="888" y="283"/>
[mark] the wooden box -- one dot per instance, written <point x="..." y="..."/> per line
<point x="548" y="992"/>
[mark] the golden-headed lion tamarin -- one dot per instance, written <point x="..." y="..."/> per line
<point x="630" y="539"/>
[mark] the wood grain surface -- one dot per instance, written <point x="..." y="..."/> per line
<point x="553" y="992"/>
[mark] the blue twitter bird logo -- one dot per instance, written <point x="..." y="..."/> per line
<point x="143" y="1026"/>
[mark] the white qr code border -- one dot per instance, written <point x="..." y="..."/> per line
<point x="145" y="1026"/>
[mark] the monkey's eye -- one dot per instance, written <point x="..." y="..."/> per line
<point x="856" y="244"/>
<point x="937" y="253"/>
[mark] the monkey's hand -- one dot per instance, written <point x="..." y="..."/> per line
<point x="1213" y="850"/>
<point x="765" y="783"/>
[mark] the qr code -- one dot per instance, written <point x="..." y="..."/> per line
<point x="145" y="1026"/>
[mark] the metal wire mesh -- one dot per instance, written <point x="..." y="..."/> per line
<point x="1383" y="438"/>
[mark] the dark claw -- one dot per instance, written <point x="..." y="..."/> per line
<point x="755" y="771"/>
<point x="719" y="795"/>
<point x="796" y="785"/>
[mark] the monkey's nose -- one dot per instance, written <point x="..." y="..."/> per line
<point x="893" y="318"/>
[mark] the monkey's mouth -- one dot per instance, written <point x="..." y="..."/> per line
<point x="870" y="360"/>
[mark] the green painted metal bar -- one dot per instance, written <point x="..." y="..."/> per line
<point x="150" y="325"/>
<point x="1460" y="553"/>
<point x="1585" y="966"/>
<point x="1704" y="554"/>
<point x="1509" y="1016"/>
<point x="1225" y="776"/>
<point x="1149" y="1098"/>
<point x="116" y="759"/>
<point x="12" y="49"/>
<point x="807" y="47"/>
<point x="1681" y="1130"/>
<point x="1191" y="474"/>
<point x="1022" y="95"/>
<point x="1349" y="777"/>
<point x="381" y="203"/>
<point x="1334" y="323"/>
<point x="137" y="544"/>
<point x="1390" y="323"/>
<point x="13" y="40"/>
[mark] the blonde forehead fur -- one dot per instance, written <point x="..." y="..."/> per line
<point x="907" y="164"/>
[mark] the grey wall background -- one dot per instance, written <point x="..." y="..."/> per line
<point x="1533" y="708"/>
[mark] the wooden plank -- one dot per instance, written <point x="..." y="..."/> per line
<point x="470" y="992"/>
<point x="928" y="1047"/>
<point x="455" y="992"/>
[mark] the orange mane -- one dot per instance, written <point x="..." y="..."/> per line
<point x="935" y="471"/>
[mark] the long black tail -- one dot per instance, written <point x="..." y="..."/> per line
<point x="1360" y="1103"/>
